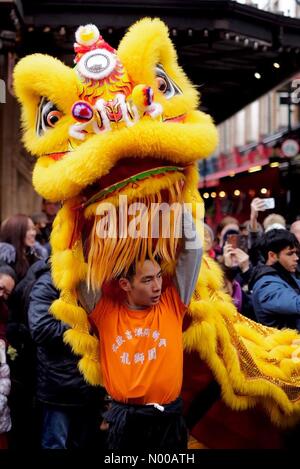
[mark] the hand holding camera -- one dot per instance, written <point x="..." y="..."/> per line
<point x="259" y="205"/>
<point x="235" y="257"/>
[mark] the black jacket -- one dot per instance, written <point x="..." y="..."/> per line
<point x="18" y="335"/>
<point x="58" y="380"/>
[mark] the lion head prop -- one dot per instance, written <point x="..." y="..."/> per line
<point x="122" y="128"/>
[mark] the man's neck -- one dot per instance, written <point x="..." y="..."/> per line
<point x="134" y="306"/>
<point x="270" y="263"/>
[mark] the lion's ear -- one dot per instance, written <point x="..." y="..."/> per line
<point x="147" y="45"/>
<point x="38" y="77"/>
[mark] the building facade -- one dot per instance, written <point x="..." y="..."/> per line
<point x="284" y="7"/>
<point x="258" y="156"/>
<point x="16" y="192"/>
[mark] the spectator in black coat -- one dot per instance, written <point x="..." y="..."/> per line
<point x="70" y="408"/>
<point x="7" y="284"/>
<point x="22" y="361"/>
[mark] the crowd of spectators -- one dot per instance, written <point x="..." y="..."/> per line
<point x="39" y="379"/>
<point x="260" y="262"/>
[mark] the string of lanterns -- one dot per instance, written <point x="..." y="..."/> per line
<point x="236" y="193"/>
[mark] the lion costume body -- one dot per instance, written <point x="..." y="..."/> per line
<point x="125" y="123"/>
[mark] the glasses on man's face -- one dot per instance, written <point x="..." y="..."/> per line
<point x="6" y="293"/>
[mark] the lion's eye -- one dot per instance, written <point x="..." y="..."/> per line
<point x="162" y="84"/>
<point x="165" y="84"/>
<point x="53" y="117"/>
<point x="48" y="116"/>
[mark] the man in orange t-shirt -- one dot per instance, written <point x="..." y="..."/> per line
<point x="141" y="350"/>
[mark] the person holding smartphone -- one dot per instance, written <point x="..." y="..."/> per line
<point x="237" y="272"/>
<point x="272" y="221"/>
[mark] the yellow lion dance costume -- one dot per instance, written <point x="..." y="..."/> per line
<point x="126" y="122"/>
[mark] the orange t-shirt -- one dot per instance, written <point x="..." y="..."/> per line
<point x="141" y="351"/>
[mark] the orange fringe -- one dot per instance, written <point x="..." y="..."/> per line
<point x="136" y="242"/>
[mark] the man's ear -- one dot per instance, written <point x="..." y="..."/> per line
<point x="124" y="284"/>
<point x="272" y="257"/>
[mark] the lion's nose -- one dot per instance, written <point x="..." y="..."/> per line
<point x="82" y="111"/>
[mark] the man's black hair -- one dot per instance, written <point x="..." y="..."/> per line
<point x="7" y="270"/>
<point x="276" y="241"/>
<point x="130" y="273"/>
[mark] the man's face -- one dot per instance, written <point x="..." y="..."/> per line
<point x="144" y="289"/>
<point x="288" y="258"/>
<point x="51" y="208"/>
<point x="6" y="286"/>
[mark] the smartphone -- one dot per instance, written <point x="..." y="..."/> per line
<point x="243" y="243"/>
<point x="2" y="352"/>
<point x="269" y="203"/>
<point x="233" y="239"/>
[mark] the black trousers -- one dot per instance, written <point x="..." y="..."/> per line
<point x="145" y="428"/>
